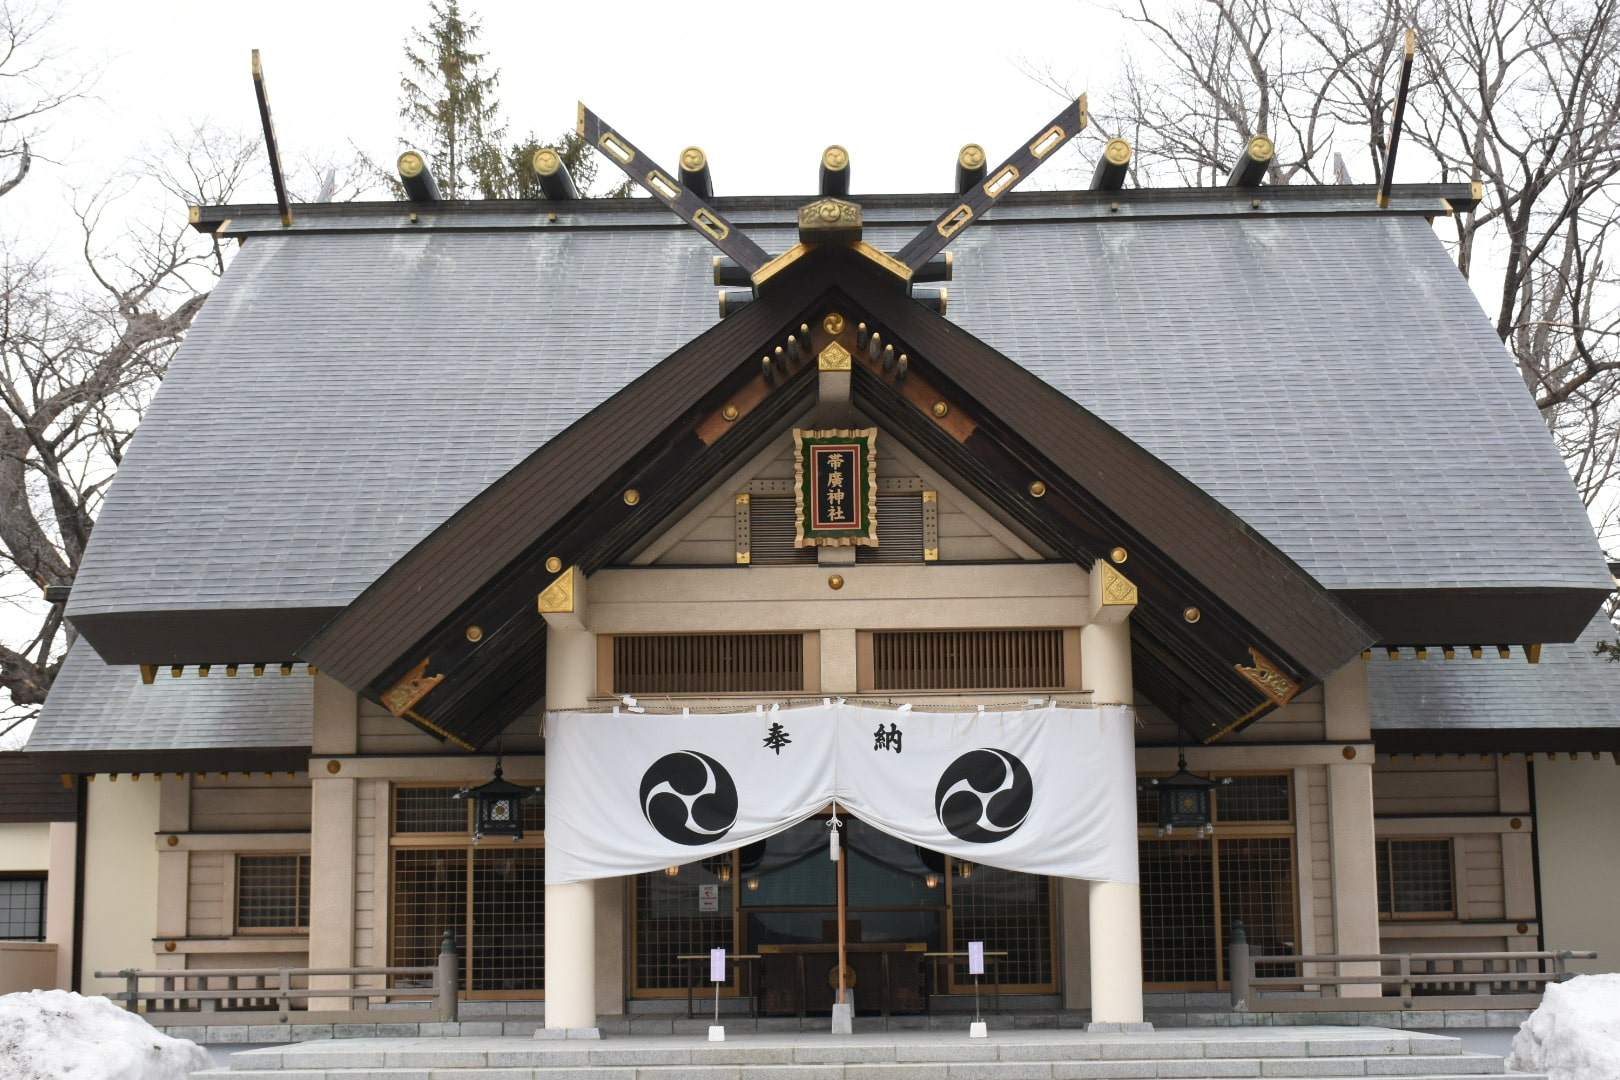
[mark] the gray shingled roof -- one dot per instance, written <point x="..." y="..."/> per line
<point x="1572" y="688"/>
<point x="107" y="712"/>
<point x="344" y="393"/>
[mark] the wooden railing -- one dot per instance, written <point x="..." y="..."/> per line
<point x="1440" y="980"/>
<point x="245" y="995"/>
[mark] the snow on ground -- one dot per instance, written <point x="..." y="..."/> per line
<point x="1575" y="1035"/>
<point x="58" y="1035"/>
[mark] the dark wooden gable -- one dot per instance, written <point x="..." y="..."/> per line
<point x="1226" y="627"/>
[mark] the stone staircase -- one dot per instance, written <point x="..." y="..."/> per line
<point x="1189" y="1053"/>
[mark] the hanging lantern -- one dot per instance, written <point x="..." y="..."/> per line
<point x="497" y="807"/>
<point x="1184" y="800"/>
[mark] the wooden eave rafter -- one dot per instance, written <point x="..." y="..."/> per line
<point x="565" y="506"/>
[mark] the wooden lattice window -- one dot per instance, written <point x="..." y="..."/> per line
<point x="707" y="664"/>
<point x="1415" y="880"/>
<point x="682" y="911"/>
<point x="923" y="660"/>
<point x="272" y="893"/>
<point x="1192" y="892"/>
<point x="1010" y="912"/>
<point x="491" y="896"/>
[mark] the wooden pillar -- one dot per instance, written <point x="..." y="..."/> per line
<point x="333" y="845"/>
<point x="1114" y="909"/>
<point x="570" y="930"/>
<point x="62" y="879"/>
<point x="1347" y="717"/>
<point x="333" y="816"/>
<point x="174" y="869"/>
<point x="120" y="879"/>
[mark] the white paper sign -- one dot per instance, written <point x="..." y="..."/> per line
<point x="717" y="965"/>
<point x="975" y="958"/>
<point x="708" y="898"/>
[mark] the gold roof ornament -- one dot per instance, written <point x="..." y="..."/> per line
<point x="830" y="221"/>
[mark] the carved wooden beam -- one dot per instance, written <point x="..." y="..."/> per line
<point x="1395" y="121"/>
<point x="269" y="126"/>
<point x="1006" y="176"/>
<point x="692" y="207"/>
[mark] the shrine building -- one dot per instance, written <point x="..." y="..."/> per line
<point x="1238" y="477"/>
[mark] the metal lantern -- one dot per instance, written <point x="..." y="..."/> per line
<point x="1184" y="800"/>
<point x="497" y="807"/>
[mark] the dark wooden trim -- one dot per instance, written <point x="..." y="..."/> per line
<point x="278" y="759"/>
<point x="235" y="636"/>
<point x="1506" y="616"/>
<point x="778" y="210"/>
<point x="1483" y="740"/>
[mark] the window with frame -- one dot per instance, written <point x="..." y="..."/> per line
<point x="272" y="893"/>
<point x="1416" y="880"/>
<point x="22" y="908"/>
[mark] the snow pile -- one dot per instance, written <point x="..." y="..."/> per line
<point x="1575" y="1035"/>
<point x="57" y="1035"/>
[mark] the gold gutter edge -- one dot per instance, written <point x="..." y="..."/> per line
<point x="780" y="263"/>
<point x="883" y="259"/>
<point x="418" y="718"/>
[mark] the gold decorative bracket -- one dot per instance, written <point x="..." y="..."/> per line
<point x="563" y="601"/>
<point x="830" y="221"/>
<point x="1113" y="595"/>
<point x="1269" y="678"/>
<point x="411" y="689"/>
<point x="834" y="358"/>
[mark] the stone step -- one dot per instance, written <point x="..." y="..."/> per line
<point x="1273" y="1069"/>
<point x="1193" y="1055"/>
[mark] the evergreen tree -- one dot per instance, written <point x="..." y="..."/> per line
<point x="448" y="102"/>
<point x="447" y="99"/>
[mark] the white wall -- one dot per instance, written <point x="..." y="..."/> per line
<point x="120" y="878"/>
<point x="1577" y="805"/>
<point x="25" y="845"/>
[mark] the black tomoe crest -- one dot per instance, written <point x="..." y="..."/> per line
<point x="689" y="798"/>
<point x="984" y="796"/>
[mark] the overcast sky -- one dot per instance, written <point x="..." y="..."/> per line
<point x="761" y="87"/>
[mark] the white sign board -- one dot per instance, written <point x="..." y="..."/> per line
<point x="708" y="897"/>
<point x="975" y="958"/>
<point x="717" y="965"/>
